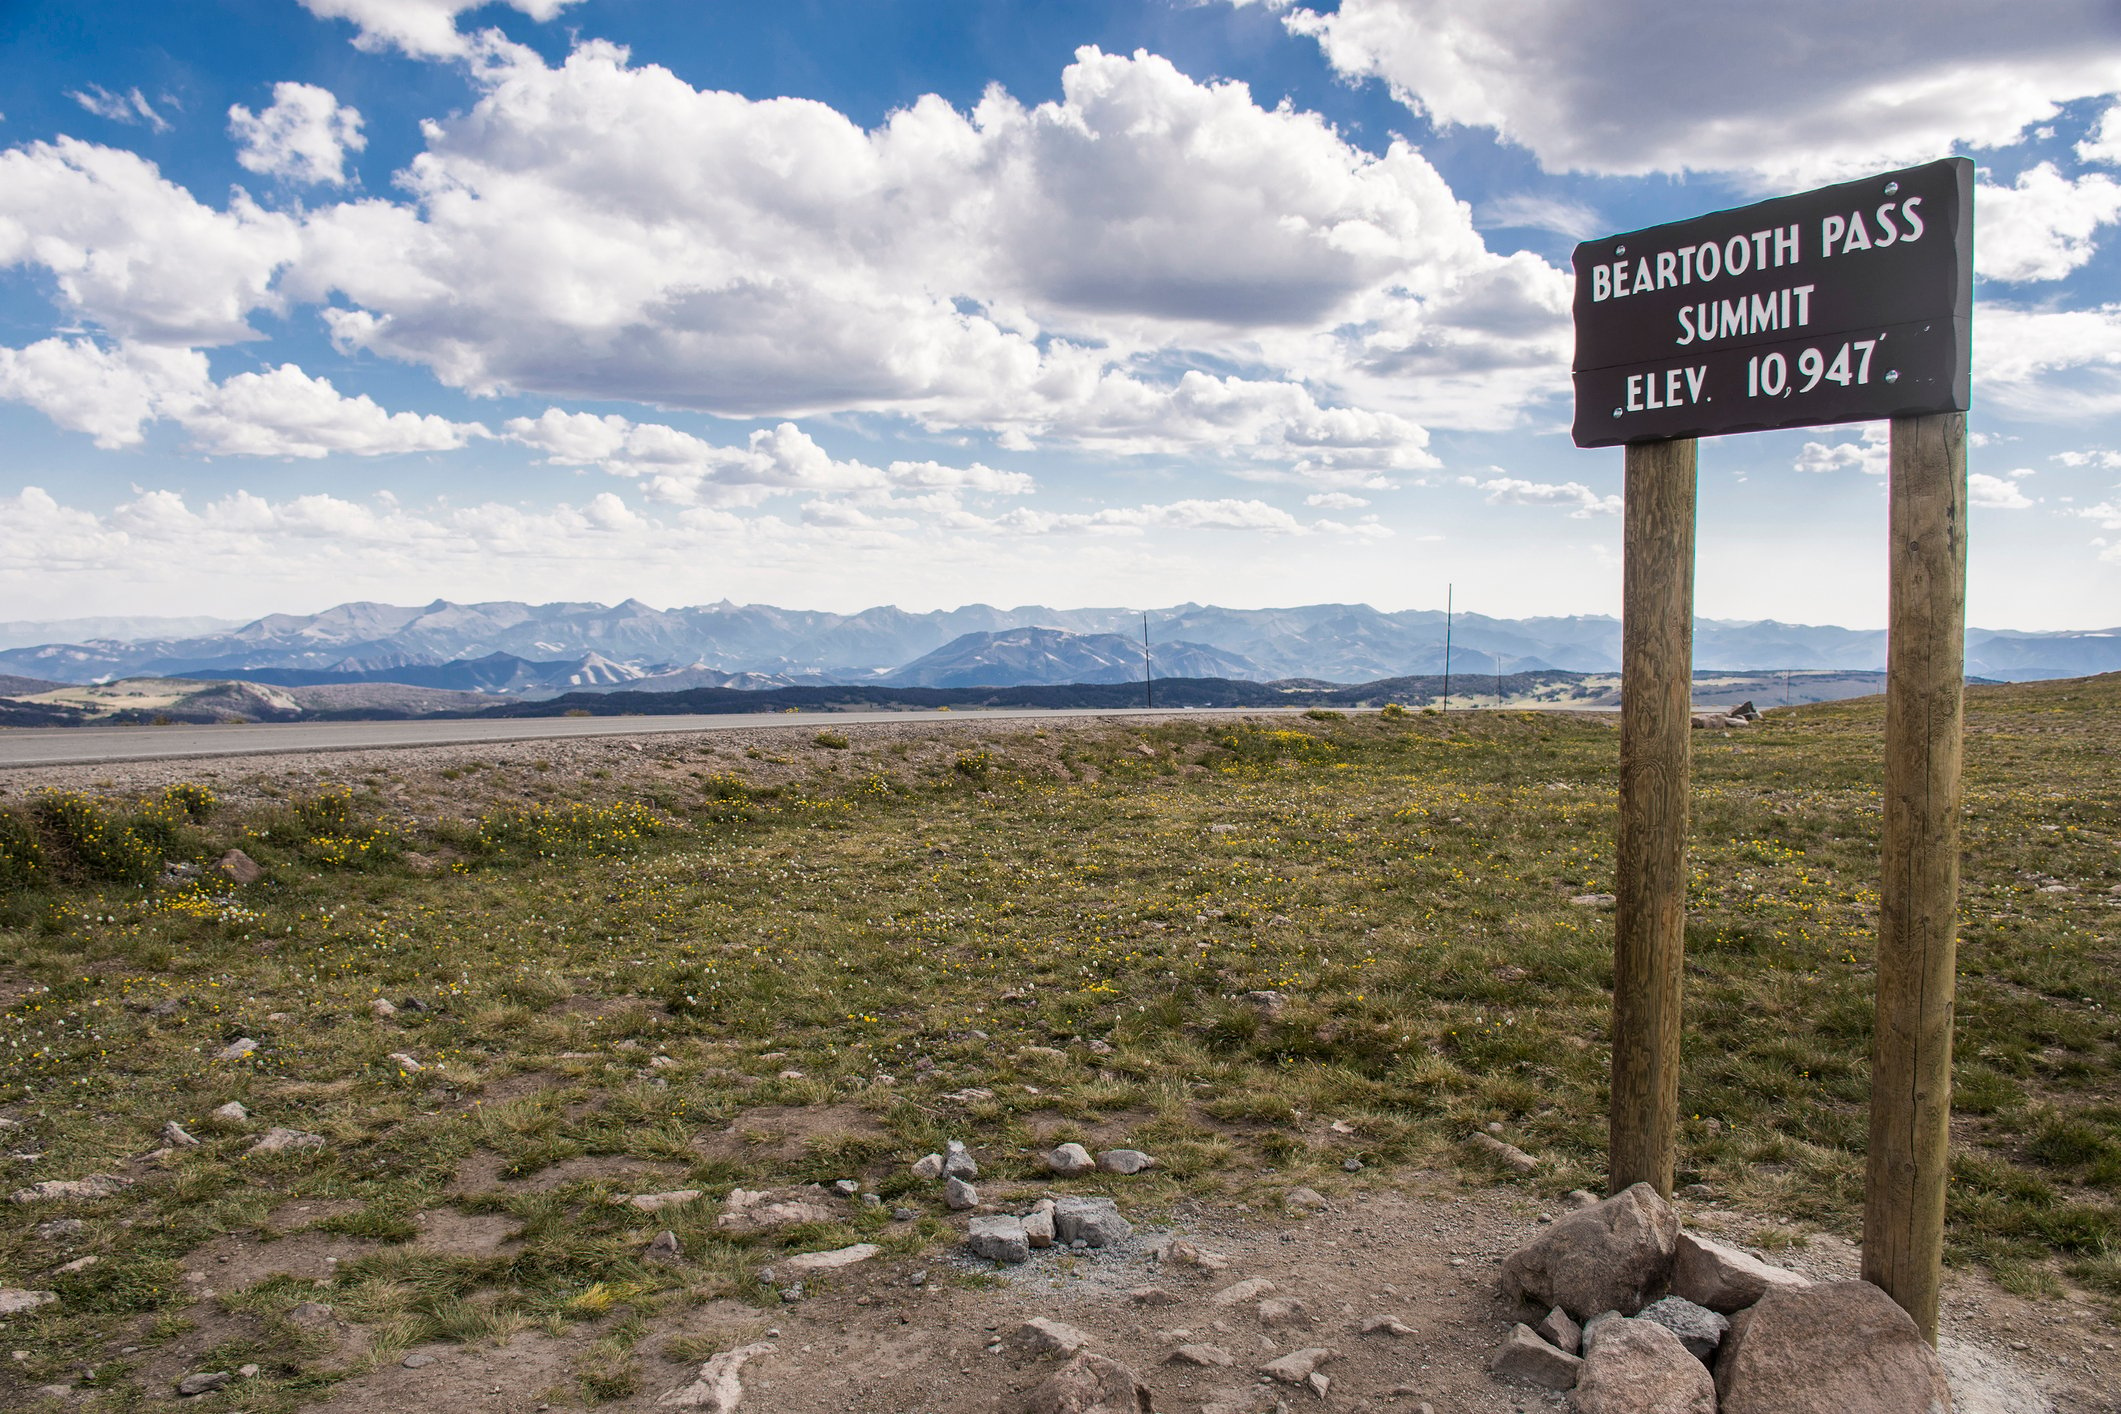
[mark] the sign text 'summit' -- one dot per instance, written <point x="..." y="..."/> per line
<point x="1845" y="304"/>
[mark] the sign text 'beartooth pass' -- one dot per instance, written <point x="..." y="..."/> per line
<point x="1846" y="304"/>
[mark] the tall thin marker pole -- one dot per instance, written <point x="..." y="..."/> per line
<point x="1498" y="680"/>
<point x="1656" y="702"/>
<point x="1448" y="589"/>
<point x="1148" y="672"/>
<point x="1907" y="1164"/>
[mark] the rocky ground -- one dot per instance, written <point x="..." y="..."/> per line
<point x="1394" y="1275"/>
<point x="1395" y="1281"/>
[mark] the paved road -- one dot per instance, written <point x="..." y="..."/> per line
<point x="72" y="746"/>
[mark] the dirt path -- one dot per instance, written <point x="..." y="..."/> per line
<point x="913" y="1337"/>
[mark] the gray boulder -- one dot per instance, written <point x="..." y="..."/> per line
<point x="1561" y="1332"/>
<point x="958" y="1162"/>
<point x="1094" y="1222"/>
<point x="1038" y="1223"/>
<point x="1526" y="1359"/>
<point x="1088" y="1384"/>
<point x="959" y="1195"/>
<point x="1639" y="1367"/>
<point x="1041" y="1336"/>
<point x="1699" y="1329"/>
<point x="1070" y="1161"/>
<point x="1724" y="1278"/>
<point x="1611" y="1256"/>
<point x="1000" y="1239"/>
<point x="1840" y="1347"/>
<point x="1124" y="1161"/>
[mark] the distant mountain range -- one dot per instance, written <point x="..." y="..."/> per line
<point x="522" y="650"/>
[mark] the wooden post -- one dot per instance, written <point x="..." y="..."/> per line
<point x="1911" y="1042"/>
<point x="1656" y="714"/>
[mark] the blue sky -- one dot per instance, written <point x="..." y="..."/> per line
<point x="830" y="305"/>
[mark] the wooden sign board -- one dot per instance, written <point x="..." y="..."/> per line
<point x="1846" y="304"/>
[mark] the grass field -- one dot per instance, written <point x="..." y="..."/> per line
<point x="1035" y="935"/>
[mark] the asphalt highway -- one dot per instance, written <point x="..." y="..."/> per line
<point x="78" y="746"/>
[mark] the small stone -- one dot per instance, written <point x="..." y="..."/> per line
<point x="718" y="1387"/>
<point x="656" y="1202"/>
<point x="903" y="1215"/>
<point x="174" y="1133"/>
<point x="55" y="1391"/>
<point x="1238" y="1293"/>
<point x="404" y="1061"/>
<point x="1094" y="1222"/>
<point x="1070" y="1160"/>
<point x="239" y="868"/>
<point x="1319" y="1383"/>
<point x="1203" y="1355"/>
<point x="57" y="1228"/>
<point x="959" y="1163"/>
<point x="1298" y="1365"/>
<point x="59" y="1190"/>
<point x="247" y="1372"/>
<point x="278" y="1140"/>
<point x="1269" y="1002"/>
<point x="241" y="1048"/>
<point x="1699" y="1329"/>
<point x="381" y="1009"/>
<point x="959" y="1195"/>
<point x="1699" y="1192"/>
<point x="233" y="1111"/>
<point x="1152" y="1296"/>
<point x="1000" y="1239"/>
<point x="1386" y="1325"/>
<point x="1040" y="1337"/>
<point x="79" y="1264"/>
<point x="1594" y="900"/>
<point x="1526" y="1359"/>
<point x="1088" y="1384"/>
<point x="831" y="1261"/>
<point x="14" y="1301"/>
<point x="1508" y="1155"/>
<point x="928" y="1168"/>
<point x="1180" y="1252"/>
<point x="203" y="1382"/>
<point x="1125" y="1161"/>
<point x="791" y="1294"/>
<point x="1578" y="1198"/>
<point x="1038" y="1224"/>
<point x="1560" y="1330"/>
<point x="846" y="1187"/>
<point x="665" y="1247"/>
<point x="1303" y="1198"/>
<point x="418" y="1360"/>
<point x="1277" y="1311"/>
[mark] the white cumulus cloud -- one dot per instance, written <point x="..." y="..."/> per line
<point x="2040" y="363"/>
<point x="425" y="29"/>
<point x="1996" y="492"/>
<point x="1871" y="454"/>
<point x="1582" y="500"/>
<point x="133" y="251"/>
<point x="110" y="393"/>
<point x="1800" y="90"/>
<point x="2043" y="226"/>
<point x="304" y="136"/>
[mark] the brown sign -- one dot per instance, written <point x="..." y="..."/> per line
<point x="1846" y="304"/>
